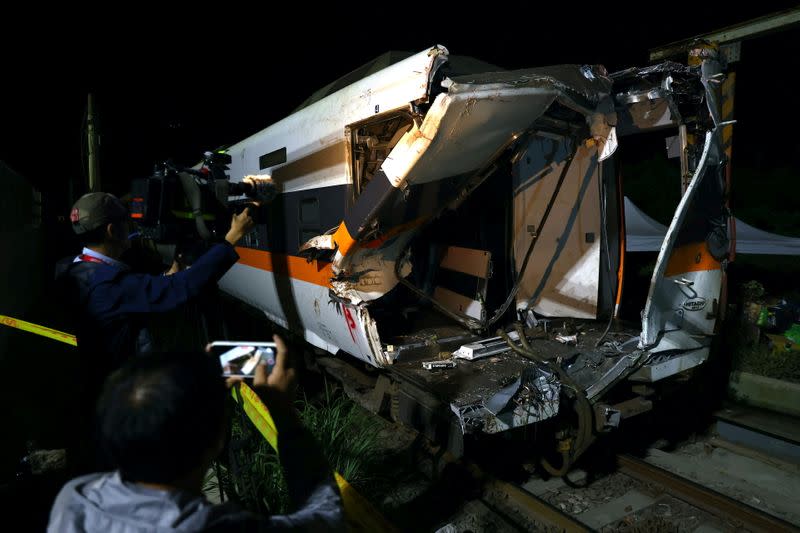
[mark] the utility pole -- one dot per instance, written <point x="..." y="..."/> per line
<point x="91" y="149"/>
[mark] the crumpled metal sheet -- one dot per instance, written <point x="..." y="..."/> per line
<point x="590" y="83"/>
<point x="532" y="397"/>
<point x="665" y="67"/>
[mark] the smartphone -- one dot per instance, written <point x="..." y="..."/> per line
<point x="240" y="358"/>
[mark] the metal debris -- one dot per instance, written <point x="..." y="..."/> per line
<point x="567" y="339"/>
<point x="485" y="347"/>
<point x="441" y="363"/>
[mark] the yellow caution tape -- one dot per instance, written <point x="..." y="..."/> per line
<point x="360" y="514"/>
<point x="258" y="413"/>
<point x="38" y="330"/>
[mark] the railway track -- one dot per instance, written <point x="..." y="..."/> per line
<point x="709" y="500"/>
<point x="522" y="510"/>
<point x="638" y="496"/>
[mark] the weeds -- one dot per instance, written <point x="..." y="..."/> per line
<point x="347" y="434"/>
<point x="761" y="359"/>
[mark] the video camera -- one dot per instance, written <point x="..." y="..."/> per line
<point x="179" y="205"/>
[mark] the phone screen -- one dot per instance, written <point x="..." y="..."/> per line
<point x="242" y="358"/>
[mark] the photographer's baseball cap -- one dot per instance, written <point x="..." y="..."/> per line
<point x="94" y="210"/>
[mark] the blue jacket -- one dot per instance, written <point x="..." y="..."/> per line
<point x="110" y="306"/>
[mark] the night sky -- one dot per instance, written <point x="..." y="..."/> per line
<point x="177" y="88"/>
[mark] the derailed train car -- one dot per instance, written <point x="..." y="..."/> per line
<point x="460" y="228"/>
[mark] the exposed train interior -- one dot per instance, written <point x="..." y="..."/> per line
<point x="500" y="336"/>
<point x="465" y="258"/>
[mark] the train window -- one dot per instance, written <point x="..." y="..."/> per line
<point x="273" y="158"/>
<point x="309" y="219"/>
<point x="309" y="211"/>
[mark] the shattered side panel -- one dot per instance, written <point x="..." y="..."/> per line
<point x="562" y="275"/>
<point x="481" y="113"/>
<point x="655" y="97"/>
<point x="307" y="308"/>
<point x="313" y="137"/>
<point x="371" y="270"/>
<point x="531" y="398"/>
<point x="646" y="115"/>
<point x="686" y="283"/>
<point x="490" y="394"/>
<point x="467" y="129"/>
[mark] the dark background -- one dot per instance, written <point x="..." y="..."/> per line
<point x="177" y="85"/>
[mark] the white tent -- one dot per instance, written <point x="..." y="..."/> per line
<point x="643" y="234"/>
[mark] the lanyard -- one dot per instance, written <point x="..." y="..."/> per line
<point x="92" y="259"/>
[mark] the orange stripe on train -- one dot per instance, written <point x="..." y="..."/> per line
<point x="317" y="272"/>
<point x="692" y="257"/>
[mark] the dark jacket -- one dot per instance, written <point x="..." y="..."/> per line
<point x="110" y="307"/>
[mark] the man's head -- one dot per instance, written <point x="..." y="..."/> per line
<point x="162" y="416"/>
<point x="99" y="218"/>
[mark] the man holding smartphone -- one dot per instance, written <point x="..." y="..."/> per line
<point x="163" y="421"/>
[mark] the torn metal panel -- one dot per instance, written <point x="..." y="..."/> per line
<point x="312" y="136"/>
<point x="687" y="278"/>
<point x="712" y="78"/>
<point x="655" y="97"/>
<point x="488" y="394"/>
<point x="370" y="272"/>
<point x="647" y="115"/>
<point x="668" y="365"/>
<point x="378" y="357"/>
<point x="323" y="321"/>
<point x="320" y="242"/>
<point x="676" y="339"/>
<point x="465" y="129"/>
<point x="480" y="114"/>
<point x="617" y="370"/>
<point x="533" y="397"/>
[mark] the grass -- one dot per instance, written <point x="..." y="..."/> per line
<point x="347" y="434"/>
<point x="750" y="348"/>
<point x="761" y="359"/>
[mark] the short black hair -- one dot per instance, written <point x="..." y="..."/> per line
<point x="160" y="414"/>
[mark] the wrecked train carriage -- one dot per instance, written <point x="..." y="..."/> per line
<point x="423" y="208"/>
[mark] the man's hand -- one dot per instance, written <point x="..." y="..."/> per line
<point x="241" y="225"/>
<point x="281" y="381"/>
<point x="262" y="188"/>
<point x="278" y="388"/>
<point x="177" y="266"/>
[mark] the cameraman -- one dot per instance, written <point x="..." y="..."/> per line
<point x="108" y="304"/>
